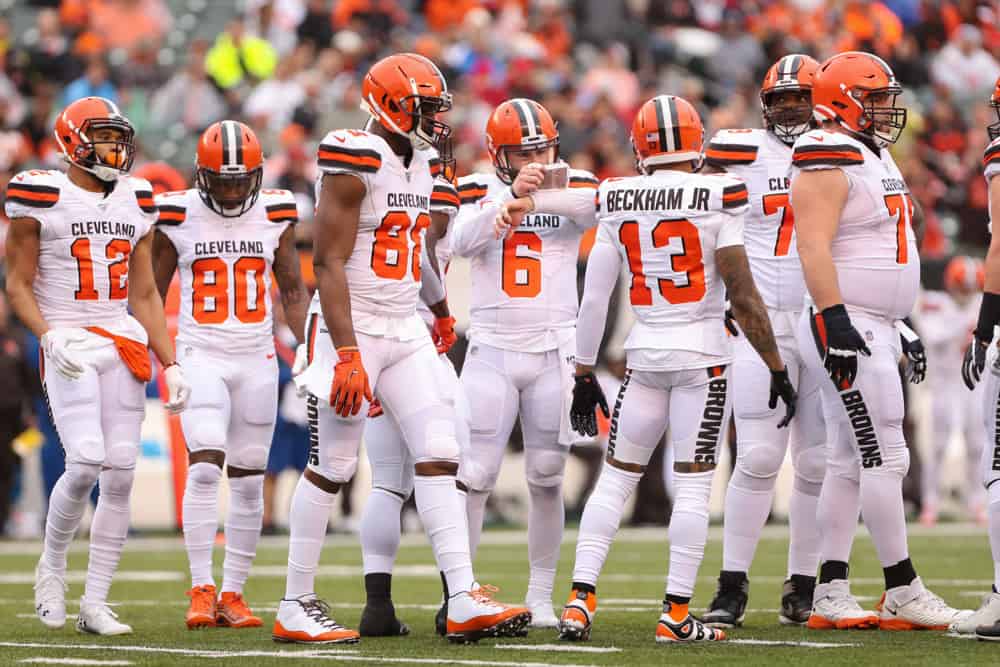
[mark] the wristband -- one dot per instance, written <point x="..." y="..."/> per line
<point x="989" y="316"/>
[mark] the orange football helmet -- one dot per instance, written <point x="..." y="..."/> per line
<point x="405" y="92"/>
<point x="994" y="129"/>
<point x="791" y="74"/>
<point x="964" y="274"/>
<point x="229" y="168"/>
<point x="519" y="125"/>
<point x="666" y="130"/>
<point x="75" y="127"/>
<point x="843" y="91"/>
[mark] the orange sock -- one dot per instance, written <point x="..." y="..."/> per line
<point x="678" y="612"/>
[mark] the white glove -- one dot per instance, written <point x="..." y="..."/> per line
<point x="56" y="343"/>
<point x="178" y="390"/>
<point x="299" y="366"/>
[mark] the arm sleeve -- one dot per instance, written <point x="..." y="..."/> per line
<point x="472" y="230"/>
<point x="603" y="267"/>
<point x="431" y="286"/>
<point x="574" y="203"/>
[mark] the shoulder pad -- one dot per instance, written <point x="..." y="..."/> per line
<point x="349" y="150"/>
<point x="35" y="189"/>
<point x="280" y="205"/>
<point x="580" y="178"/>
<point x="732" y="147"/>
<point x="991" y="158"/>
<point x="819" y="149"/>
<point x="171" y="208"/>
<point x="472" y="188"/>
<point x="444" y="197"/>
<point x="143" y="193"/>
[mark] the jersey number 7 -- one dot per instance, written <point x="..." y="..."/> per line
<point x="688" y="262"/>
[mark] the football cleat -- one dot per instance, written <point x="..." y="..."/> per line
<point x="913" y="607"/>
<point x="379" y="620"/>
<point x="729" y="606"/>
<point x="201" y="612"/>
<point x="307" y="620"/>
<point x="834" y="608"/>
<point x="542" y="615"/>
<point x="988" y="614"/>
<point x="578" y="616"/>
<point x="475" y="614"/>
<point x="232" y="612"/>
<point x="50" y="596"/>
<point x="441" y="619"/>
<point x="797" y="600"/>
<point x="687" y="630"/>
<point x="989" y="633"/>
<point x="96" y="618"/>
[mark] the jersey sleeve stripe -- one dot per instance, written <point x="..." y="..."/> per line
<point x="734" y="196"/>
<point x="38" y="196"/>
<point x="364" y="160"/>
<point x="582" y="182"/>
<point x="471" y="197"/>
<point x="991" y="156"/>
<point x="171" y="215"/>
<point x="145" y="199"/>
<point x="730" y="153"/>
<point x="435" y="165"/>
<point x="286" y="212"/>
<point x="833" y="155"/>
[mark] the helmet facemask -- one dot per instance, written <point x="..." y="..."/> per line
<point x="426" y="131"/>
<point x="882" y="123"/>
<point x="507" y="172"/>
<point x="787" y="121"/>
<point x="229" y="194"/>
<point x="107" y="159"/>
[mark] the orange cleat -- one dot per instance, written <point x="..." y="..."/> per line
<point x="201" y="612"/>
<point x="232" y="612"/>
<point x="475" y="614"/>
<point x="577" y="616"/>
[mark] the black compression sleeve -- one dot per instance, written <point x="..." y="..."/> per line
<point x="989" y="316"/>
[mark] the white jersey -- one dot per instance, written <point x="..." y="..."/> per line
<point x="383" y="272"/>
<point x="86" y="239"/>
<point x="764" y="163"/>
<point x="524" y="293"/>
<point x="991" y="167"/>
<point x="444" y="200"/>
<point x="225" y="269"/>
<point x="874" y="249"/>
<point x="666" y="227"/>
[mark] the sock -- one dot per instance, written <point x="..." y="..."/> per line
<point x="308" y="517"/>
<point x="378" y="586"/>
<point x="201" y="522"/>
<point x="678" y="606"/>
<point x="438" y="505"/>
<point x="804" y="536"/>
<point x="837" y="517"/>
<point x="600" y="520"/>
<point x="688" y="530"/>
<point x="243" y="523"/>
<point x="585" y="587"/>
<point x="900" y="574"/>
<point x="66" y="505"/>
<point x="475" y="513"/>
<point x="831" y="570"/>
<point x="380" y="531"/>
<point x="993" y="528"/>
<point x="883" y="513"/>
<point x="108" y="532"/>
<point x="546" y="519"/>
<point x="748" y="502"/>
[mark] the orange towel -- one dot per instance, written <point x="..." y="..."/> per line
<point x="133" y="353"/>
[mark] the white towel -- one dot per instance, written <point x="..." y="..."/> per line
<point x="567" y="364"/>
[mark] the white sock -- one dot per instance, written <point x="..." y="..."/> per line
<point x="201" y="521"/>
<point x="688" y="530"/>
<point x="993" y="519"/>
<point x="600" y="520"/>
<point x="108" y="532"/>
<point x="748" y="502"/>
<point x="804" y="536"/>
<point x="546" y="520"/>
<point x="884" y="515"/>
<point x="439" y="505"/>
<point x="243" y="523"/>
<point x="66" y="506"/>
<point x="837" y="517"/>
<point x="475" y="510"/>
<point x="380" y="531"/>
<point x="308" y="517"/>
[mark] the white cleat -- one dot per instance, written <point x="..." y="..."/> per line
<point x="542" y="615"/>
<point x="987" y="614"/>
<point x="307" y="620"/>
<point x="50" y="596"/>
<point x="474" y="615"/>
<point x="834" y="608"/>
<point x="913" y="607"/>
<point x="97" y="618"/>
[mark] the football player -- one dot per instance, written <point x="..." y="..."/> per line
<point x="854" y="229"/>
<point x="680" y="235"/>
<point x="374" y="208"/>
<point x="226" y="236"/>
<point x="985" y="622"/>
<point x="79" y="250"/>
<point x="521" y="336"/>
<point x="763" y="159"/>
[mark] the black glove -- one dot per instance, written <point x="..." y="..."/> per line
<point x="587" y="395"/>
<point x="731" y="321"/>
<point x="781" y="387"/>
<point x="843" y="343"/>
<point x="913" y="348"/>
<point x="974" y="362"/>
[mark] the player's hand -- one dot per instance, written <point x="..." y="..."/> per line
<point x="913" y="348"/>
<point x="781" y="387"/>
<point x="299" y="366"/>
<point x="510" y="216"/>
<point x="56" y="344"/>
<point x="843" y="344"/>
<point x="443" y="333"/>
<point x="974" y="362"/>
<point x="178" y="390"/>
<point x="587" y="395"/>
<point x="731" y="321"/>
<point x="529" y="178"/>
<point x="350" y="383"/>
<point x="375" y="409"/>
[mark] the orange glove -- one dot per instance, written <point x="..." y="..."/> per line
<point x="375" y="409"/>
<point x="350" y="383"/>
<point x="443" y="334"/>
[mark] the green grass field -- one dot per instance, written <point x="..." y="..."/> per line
<point x="954" y="561"/>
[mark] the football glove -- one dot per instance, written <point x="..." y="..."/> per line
<point x="443" y="333"/>
<point x="178" y="390"/>
<point x="350" y="383"/>
<point x="913" y="348"/>
<point x="56" y="345"/>
<point x="299" y="366"/>
<point x="974" y="361"/>
<point x="375" y="409"/>
<point x="843" y="344"/>
<point x="587" y="395"/>
<point x="781" y="387"/>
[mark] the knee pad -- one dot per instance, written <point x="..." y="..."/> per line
<point x="204" y="474"/>
<point x="810" y="464"/>
<point x="439" y="441"/>
<point x="544" y="467"/>
<point x="122" y="456"/>
<point x="248" y="457"/>
<point x="81" y="477"/>
<point x="117" y="482"/>
<point x="339" y="469"/>
<point x="476" y="476"/>
<point x="759" y="459"/>
<point x="395" y="477"/>
<point x="206" y="434"/>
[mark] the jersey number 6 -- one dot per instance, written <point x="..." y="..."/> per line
<point x="687" y="262"/>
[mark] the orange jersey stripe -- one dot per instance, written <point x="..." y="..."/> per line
<point x="351" y="159"/>
<point x="14" y="190"/>
<point x="730" y="156"/>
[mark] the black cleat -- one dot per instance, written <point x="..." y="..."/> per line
<point x="797" y="600"/>
<point x="729" y="606"/>
<point x="379" y="620"/>
<point x="441" y="619"/>
<point x="988" y="633"/>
